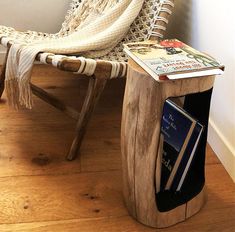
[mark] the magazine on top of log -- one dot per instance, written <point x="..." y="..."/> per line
<point x="172" y="59"/>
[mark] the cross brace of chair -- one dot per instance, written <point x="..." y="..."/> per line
<point x="94" y="91"/>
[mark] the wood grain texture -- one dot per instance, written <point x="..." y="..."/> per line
<point x="104" y="67"/>
<point x="60" y="197"/>
<point x="142" y="113"/>
<point x="217" y="215"/>
<point x="58" y="104"/>
<point x="193" y="206"/>
<point x="24" y="134"/>
<point x="95" y="89"/>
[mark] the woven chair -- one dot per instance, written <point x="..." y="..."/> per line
<point x="150" y="24"/>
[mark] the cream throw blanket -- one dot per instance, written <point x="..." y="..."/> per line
<point x="101" y="24"/>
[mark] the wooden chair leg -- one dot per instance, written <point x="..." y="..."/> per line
<point x="94" y="91"/>
<point x="2" y="75"/>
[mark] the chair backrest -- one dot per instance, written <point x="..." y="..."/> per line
<point x="150" y="24"/>
<point x="151" y="21"/>
<point x="65" y="29"/>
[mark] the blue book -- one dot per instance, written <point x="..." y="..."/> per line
<point x="181" y="135"/>
<point x="187" y="158"/>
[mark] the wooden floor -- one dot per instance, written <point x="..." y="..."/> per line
<point x="41" y="192"/>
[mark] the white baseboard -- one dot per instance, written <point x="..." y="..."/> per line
<point x="222" y="148"/>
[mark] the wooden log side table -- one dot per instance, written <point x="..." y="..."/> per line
<point x="140" y="136"/>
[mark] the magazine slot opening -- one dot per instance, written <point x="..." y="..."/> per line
<point x="198" y="106"/>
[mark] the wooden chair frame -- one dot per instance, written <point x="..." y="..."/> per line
<point x="96" y="85"/>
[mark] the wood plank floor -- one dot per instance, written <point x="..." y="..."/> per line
<point x="41" y="192"/>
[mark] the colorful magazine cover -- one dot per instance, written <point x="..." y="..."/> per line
<point x="170" y="57"/>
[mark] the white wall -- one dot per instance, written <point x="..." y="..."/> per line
<point x="209" y="25"/>
<point x="38" y="15"/>
<point x="220" y="28"/>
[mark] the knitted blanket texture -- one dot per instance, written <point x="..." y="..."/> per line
<point x="100" y="26"/>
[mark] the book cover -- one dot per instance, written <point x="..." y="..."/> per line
<point x="180" y="137"/>
<point x="187" y="158"/>
<point x="172" y="59"/>
<point x="159" y="164"/>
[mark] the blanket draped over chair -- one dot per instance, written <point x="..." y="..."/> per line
<point x="100" y="26"/>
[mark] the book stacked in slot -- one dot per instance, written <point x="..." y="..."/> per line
<point x="180" y="136"/>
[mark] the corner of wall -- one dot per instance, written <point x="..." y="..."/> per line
<point x="222" y="148"/>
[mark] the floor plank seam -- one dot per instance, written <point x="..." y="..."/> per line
<point x="62" y="174"/>
<point x="68" y="220"/>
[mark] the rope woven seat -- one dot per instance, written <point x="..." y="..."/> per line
<point x="149" y="24"/>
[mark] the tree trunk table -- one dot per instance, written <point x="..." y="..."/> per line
<point x="140" y="143"/>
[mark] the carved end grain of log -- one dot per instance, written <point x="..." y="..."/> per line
<point x="142" y="112"/>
